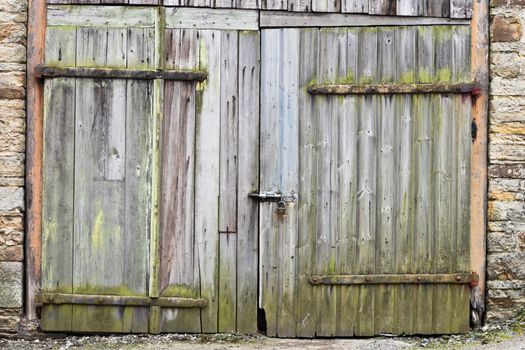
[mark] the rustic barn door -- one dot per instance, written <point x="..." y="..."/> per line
<point x="145" y="182"/>
<point x="365" y="158"/>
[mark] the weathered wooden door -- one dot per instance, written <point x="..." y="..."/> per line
<point x="370" y="129"/>
<point x="200" y="164"/>
<point x="150" y="150"/>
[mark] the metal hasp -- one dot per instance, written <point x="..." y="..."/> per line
<point x="280" y="198"/>
<point x="454" y="278"/>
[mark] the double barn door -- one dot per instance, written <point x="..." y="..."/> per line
<point x="203" y="174"/>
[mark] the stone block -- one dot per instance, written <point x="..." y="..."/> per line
<point x="11" y="284"/>
<point x="505" y="29"/>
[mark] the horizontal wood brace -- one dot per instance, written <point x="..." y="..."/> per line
<point x="274" y="19"/>
<point x="455" y="278"/>
<point x="42" y="71"/>
<point x="114" y="300"/>
<point x="387" y="89"/>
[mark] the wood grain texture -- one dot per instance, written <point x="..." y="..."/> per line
<point x="207" y="176"/>
<point x="229" y="129"/>
<point x="382" y="7"/>
<point x="57" y="231"/>
<point x="201" y="18"/>
<point x="100" y="16"/>
<point x="248" y="158"/>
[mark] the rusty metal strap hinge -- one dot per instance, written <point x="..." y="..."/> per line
<point x="389" y="89"/>
<point x="115" y="300"/>
<point x="42" y="71"/>
<point x="456" y="278"/>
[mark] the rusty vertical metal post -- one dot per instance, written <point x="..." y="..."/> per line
<point x="479" y="160"/>
<point x="36" y="27"/>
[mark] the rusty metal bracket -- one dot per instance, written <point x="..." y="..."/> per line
<point x="42" y="71"/>
<point x="389" y="89"/>
<point x="114" y="300"/>
<point x="455" y="278"/>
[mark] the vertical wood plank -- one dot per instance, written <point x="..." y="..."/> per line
<point x="141" y="48"/>
<point x="347" y="186"/>
<point x="406" y="46"/>
<point x="409" y="7"/>
<point x="248" y="4"/>
<point x="57" y="205"/>
<point x="229" y="132"/>
<point x="300" y="5"/>
<point x="227" y="282"/>
<point x="384" y="298"/>
<point x="306" y="304"/>
<point x="327" y="194"/>
<point x="247" y="214"/>
<point x="367" y="168"/>
<point x="271" y="46"/>
<point x="274" y="4"/>
<point x="436" y="8"/>
<point x="326" y="5"/>
<point x="177" y="199"/>
<point x="288" y="179"/>
<point x="207" y="176"/>
<point x="228" y="177"/>
<point x="460" y="8"/>
<point x="60" y="46"/>
<point x="382" y="7"/>
<point x="176" y="218"/>
<point x="354" y="6"/>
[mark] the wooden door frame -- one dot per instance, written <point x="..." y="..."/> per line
<point x="34" y="154"/>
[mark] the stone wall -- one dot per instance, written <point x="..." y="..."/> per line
<point x="506" y="226"/>
<point x="13" y="31"/>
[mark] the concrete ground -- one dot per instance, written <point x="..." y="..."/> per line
<point x="237" y="342"/>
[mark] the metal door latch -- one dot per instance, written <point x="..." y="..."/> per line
<point x="274" y="197"/>
<point x="280" y="198"/>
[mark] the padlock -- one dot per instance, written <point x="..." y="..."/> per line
<point x="281" y="207"/>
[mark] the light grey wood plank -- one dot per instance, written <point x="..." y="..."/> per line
<point x="137" y="187"/>
<point x="182" y="49"/>
<point x="271" y="19"/>
<point x="91" y="48"/>
<point x="382" y="7"/>
<point x="367" y="170"/>
<point x="207" y="176"/>
<point x="227" y="282"/>
<point x="288" y="153"/>
<point x="274" y="4"/>
<point x="347" y="186"/>
<point x="100" y="16"/>
<point x="300" y="5"/>
<point x="306" y="319"/>
<point x="229" y="132"/>
<point x="223" y="3"/>
<point x="354" y="6"/>
<point x="385" y="250"/>
<point x="327" y="195"/>
<point x="248" y="4"/>
<point x="461" y="8"/>
<point x="141" y="48"/>
<point x="60" y="46"/>
<point x="436" y="8"/>
<point x="408" y="7"/>
<point x="406" y="70"/>
<point x="269" y="173"/>
<point x="57" y="204"/>
<point x="201" y="18"/>
<point x="326" y="5"/>
<point x="247" y="213"/>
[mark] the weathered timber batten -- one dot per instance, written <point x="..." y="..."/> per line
<point x="209" y="163"/>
